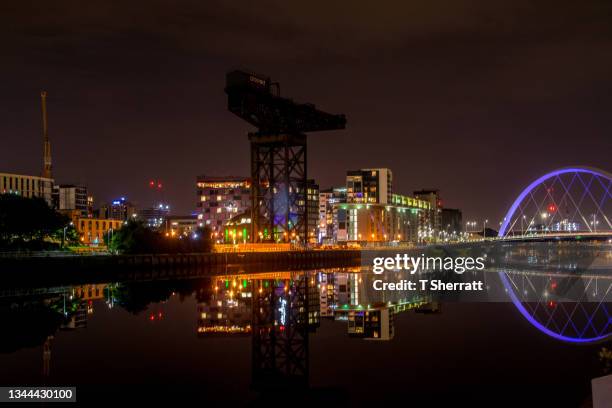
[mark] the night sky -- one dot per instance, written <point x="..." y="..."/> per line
<point x="474" y="98"/>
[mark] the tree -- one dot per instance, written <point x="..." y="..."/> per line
<point x="28" y="221"/>
<point x="136" y="237"/>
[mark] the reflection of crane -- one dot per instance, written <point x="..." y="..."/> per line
<point x="47" y="356"/>
<point x="278" y="153"/>
<point x="281" y="324"/>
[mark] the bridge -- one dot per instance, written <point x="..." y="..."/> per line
<point x="569" y="201"/>
<point x="568" y="204"/>
<point x="558" y="236"/>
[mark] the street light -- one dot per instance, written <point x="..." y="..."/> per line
<point x="109" y="235"/>
<point x="594" y="223"/>
<point x="64" y="237"/>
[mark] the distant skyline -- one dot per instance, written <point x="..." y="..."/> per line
<point x="474" y="99"/>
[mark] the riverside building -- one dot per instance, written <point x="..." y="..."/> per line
<point x="27" y="186"/>
<point x="221" y="198"/>
<point x="69" y="198"/>
<point x="367" y="210"/>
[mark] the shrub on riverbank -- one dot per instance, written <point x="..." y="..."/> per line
<point x="29" y="223"/>
<point x="136" y="238"/>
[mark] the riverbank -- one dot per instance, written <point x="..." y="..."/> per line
<point x="57" y="269"/>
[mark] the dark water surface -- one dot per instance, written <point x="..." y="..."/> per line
<point x="141" y="342"/>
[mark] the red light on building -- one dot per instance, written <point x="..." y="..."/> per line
<point x="151" y="183"/>
<point x="552" y="208"/>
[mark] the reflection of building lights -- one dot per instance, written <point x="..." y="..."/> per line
<point x="283" y="311"/>
<point x="224" y="329"/>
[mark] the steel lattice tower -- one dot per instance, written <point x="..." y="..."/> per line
<point x="279" y="169"/>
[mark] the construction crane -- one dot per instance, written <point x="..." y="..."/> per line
<point x="279" y="172"/>
<point x="47" y="169"/>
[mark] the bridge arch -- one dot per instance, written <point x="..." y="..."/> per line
<point x="544" y="197"/>
<point x="510" y="220"/>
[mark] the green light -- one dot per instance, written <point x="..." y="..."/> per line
<point x="226" y="284"/>
<point x="244" y="283"/>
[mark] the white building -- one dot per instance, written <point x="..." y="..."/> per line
<point x="27" y="186"/>
<point x="373" y="186"/>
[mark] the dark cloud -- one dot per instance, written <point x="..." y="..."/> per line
<point x="476" y="98"/>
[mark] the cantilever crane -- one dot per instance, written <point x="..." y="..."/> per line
<point x="278" y="154"/>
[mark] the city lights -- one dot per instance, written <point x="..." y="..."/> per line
<point x="399" y="210"/>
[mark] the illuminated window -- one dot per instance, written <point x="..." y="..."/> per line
<point x="219" y="210"/>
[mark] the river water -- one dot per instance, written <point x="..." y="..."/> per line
<point x="208" y="340"/>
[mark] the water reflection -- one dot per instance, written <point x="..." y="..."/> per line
<point x="231" y="305"/>
<point x="278" y="311"/>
